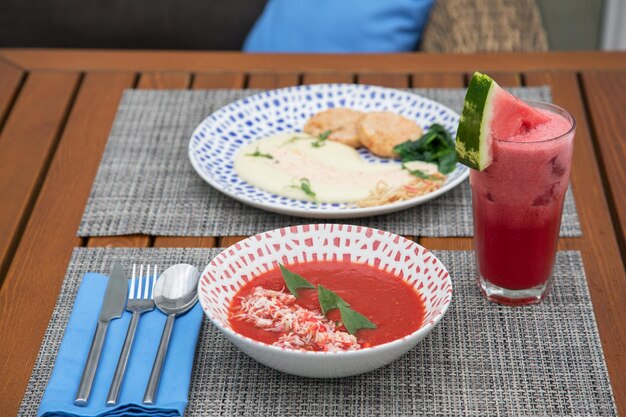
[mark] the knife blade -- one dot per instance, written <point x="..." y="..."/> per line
<point x="113" y="305"/>
<point x="115" y="295"/>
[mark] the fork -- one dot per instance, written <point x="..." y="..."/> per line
<point x="140" y="300"/>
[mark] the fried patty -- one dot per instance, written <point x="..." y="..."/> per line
<point x="381" y="131"/>
<point x="341" y="123"/>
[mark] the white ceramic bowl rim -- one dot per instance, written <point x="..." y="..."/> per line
<point x="424" y="329"/>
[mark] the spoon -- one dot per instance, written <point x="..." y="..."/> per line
<point x="175" y="293"/>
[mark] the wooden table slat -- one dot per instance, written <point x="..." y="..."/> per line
<point x="226" y="241"/>
<point x="164" y="79"/>
<point x="27" y="144"/>
<point x="273" y="80"/>
<point x="505" y="79"/>
<point x="437" y="80"/>
<point x="125" y="241"/>
<point x="603" y="266"/>
<point x="205" y="61"/>
<point x="10" y="79"/>
<point x="607" y="108"/>
<point x="327" y="77"/>
<point x="35" y="275"/>
<point x="384" y="80"/>
<point x="218" y="80"/>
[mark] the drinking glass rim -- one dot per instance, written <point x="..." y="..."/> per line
<point x="551" y="107"/>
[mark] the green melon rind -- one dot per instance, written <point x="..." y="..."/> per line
<point x="473" y="139"/>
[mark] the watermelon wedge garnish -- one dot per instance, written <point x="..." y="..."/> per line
<point x="490" y="112"/>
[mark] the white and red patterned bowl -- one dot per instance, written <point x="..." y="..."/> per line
<point x="245" y="260"/>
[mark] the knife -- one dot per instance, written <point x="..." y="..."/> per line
<point x="112" y="307"/>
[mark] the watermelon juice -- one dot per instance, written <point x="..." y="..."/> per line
<point x="517" y="204"/>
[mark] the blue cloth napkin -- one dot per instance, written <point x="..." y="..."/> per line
<point x="58" y="399"/>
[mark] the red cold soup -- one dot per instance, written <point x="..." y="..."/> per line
<point x="265" y="310"/>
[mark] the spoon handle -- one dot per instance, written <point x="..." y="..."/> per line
<point x="153" y="383"/>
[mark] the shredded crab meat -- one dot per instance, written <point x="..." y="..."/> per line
<point x="383" y="194"/>
<point x="302" y="329"/>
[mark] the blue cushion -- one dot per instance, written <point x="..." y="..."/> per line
<point x="339" y="26"/>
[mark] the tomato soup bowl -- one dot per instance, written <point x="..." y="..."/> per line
<point x="245" y="260"/>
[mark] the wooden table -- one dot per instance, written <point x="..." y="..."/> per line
<point x="56" y="110"/>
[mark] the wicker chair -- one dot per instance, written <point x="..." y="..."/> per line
<point x="467" y="26"/>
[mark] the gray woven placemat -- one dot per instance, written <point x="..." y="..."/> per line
<point x="145" y="183"/>
<point x="481" y="360"/>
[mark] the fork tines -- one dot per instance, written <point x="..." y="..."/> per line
<point x="143" y="286"/>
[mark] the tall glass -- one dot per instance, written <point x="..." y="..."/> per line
<point x="517" y="204"/>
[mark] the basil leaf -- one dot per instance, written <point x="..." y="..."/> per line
<point x="354" y="321"/>
<point x="436" y="145"/>
<point x="294" y="281"/>
<point x="329" y="300"/>
<point x="447" y="162"/>
<point x="443" y="134"/>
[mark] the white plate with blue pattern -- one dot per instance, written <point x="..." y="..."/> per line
<point x="217" y="139"/>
